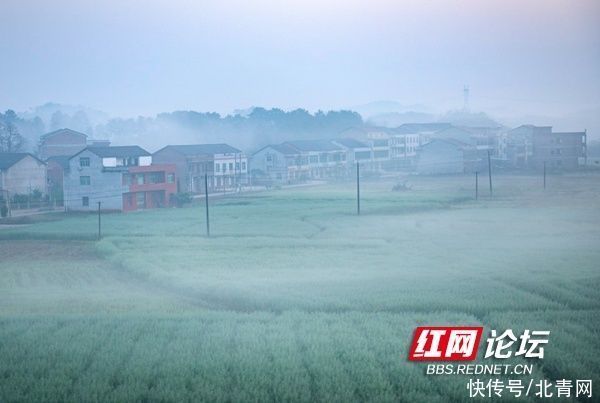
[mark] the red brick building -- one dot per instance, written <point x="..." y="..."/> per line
<point x="149" y="186"/>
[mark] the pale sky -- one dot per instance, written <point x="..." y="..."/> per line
<point x="130" y="57"/>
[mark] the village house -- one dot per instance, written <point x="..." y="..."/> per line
<point x="66" y="142"/>
<point x="119" y="177"/>
<point x="21" y="174"/>
<point x="447" y="156"/>
<point x="559" y="150"/>
<point x="226" y="167"/>
<point x="279" y="164"/>
<point x="356" y="151"/>
<point x="301" y="160"/>
<point x="519" y="144"/>
<point x="61" y="142"/>
<point x="325" y="159"/>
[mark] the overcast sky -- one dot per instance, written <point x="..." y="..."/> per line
<point x="141" y="57"/>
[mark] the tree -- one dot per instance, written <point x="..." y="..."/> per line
<point x="10" y="139"/>
<point x="59" y="120"/>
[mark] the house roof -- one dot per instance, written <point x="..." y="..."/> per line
<point x="570" y="133"/>
<point x="409" y="128"/>
<point x="116" y="151"/>
<point x="62" y="131"/>
<point x="7" y="160"/>
<point x="284" y="148"/>
<point x="62" y="160"/>
<point x="203" y="149"/>
<point x="313" y="145"/>
<point x="451" y="141"/>
<point x="350" y="143"/>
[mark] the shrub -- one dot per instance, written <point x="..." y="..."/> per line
<point x="181" y="199"/>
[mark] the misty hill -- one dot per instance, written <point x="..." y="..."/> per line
<point x="249" y="131"/>
<point x="378" y="108"/>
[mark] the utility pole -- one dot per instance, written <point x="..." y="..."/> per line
<point x="490" y="172"/>
<point x="357" y="188"/>
<point x="99" y="221"/>
<point x="544" y="175"/>
<point x="476" y="185"/>
<point x="206" y="202"/>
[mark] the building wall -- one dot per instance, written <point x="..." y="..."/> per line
<point x="64" y="143"/>
<point x="149" y="194"/>
<point x="169" y="156"/>
<point x="105" y="184"/>
<point x="273" y="164"/>
<point x="560" y="151"/>
<point x="439" y="157"/>
<point x="25" y="176"/>
<point x="232" y="171"/>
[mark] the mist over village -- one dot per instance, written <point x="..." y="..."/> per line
<point x="299" y="201"/>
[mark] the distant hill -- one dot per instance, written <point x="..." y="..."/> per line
<point x="376" y="108"/>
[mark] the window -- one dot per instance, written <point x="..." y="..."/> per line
<point x="85" y="201"/>
<point x="231" y="166"/>
<point x="84" y="180"/>
<point x="156" y="177"/>
<point x="243" y="166"/>
<point x="217" y="167"/>
<point x="171" y="178"/>
<point x="139" y="179"/>
<point x="84" y="162"/>
<point x="237" y="166"/>
<point x="269" y="157"/>
<point x="314" y="159"/>
<point x="126" y="179"/>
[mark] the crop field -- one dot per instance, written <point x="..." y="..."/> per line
<point x="294" y="297"/>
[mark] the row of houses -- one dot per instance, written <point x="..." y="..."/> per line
<point x="77" y="172"/>
<point x="422" y="148"/>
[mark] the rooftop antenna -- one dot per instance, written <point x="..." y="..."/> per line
<point x="466" y="98"/>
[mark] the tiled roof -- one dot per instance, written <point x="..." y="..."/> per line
<point x="452" y="141"/>
<point x="409" y="128"/>
<point x="62" y="131"/>
<point x="203" y="149"/>
<point x="313" y="145"/>
<point x="62" y="160"/>
<point x="286" y="149"/>
<point x="118" y="151"/>
<point x="7" y="160"/>
<point x="350" y="143"/>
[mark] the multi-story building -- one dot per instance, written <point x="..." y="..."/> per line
<point x="120" y="178"/>
<point x="560" y="150"/>
<point x="356" y="151"/>
<point x="446" y="156"/>
<point x="296" y="161"/>
<point x="325" y="159"/>
<point x="226" y="167"/>
<point x="61" y="142"/>
<point x="519" y="144"/>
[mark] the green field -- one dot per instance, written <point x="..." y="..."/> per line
<point x="294" y="297"/>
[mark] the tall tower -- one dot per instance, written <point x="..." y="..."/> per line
<point x="466" y="98"/>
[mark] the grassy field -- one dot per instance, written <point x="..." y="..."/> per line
<point x="294" y="297"/>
